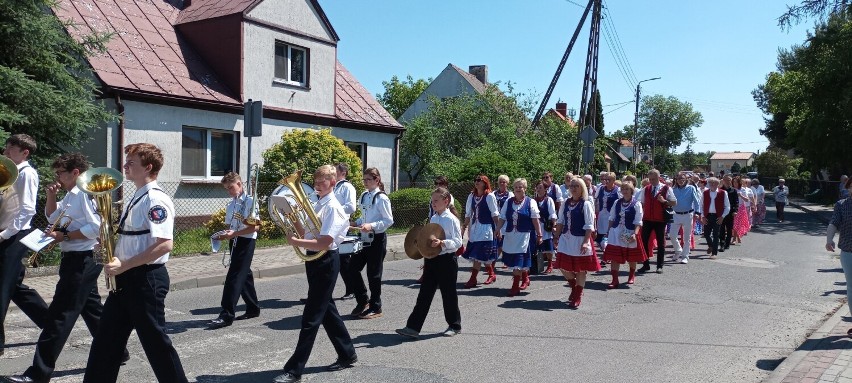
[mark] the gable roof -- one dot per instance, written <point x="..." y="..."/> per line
<point x="148" y="57"/>
<point x="732" y="156"/>
<point x="474" y="82"/>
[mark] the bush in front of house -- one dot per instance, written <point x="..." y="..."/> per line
<point x="411" y="207"/>
<point x="268" y="229"/>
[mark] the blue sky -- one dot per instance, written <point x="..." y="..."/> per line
<point x="709" y="53"/>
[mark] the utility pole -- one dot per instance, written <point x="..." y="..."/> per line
<point x="636" y="128"/>
<point x="588" y="106"/>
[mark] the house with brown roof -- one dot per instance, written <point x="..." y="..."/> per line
<point x="451" y="82"/>
<point x="178" y="72"/>
<point x="725" y="160"/>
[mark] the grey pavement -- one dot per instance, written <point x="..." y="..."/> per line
<point x="734" y="319"/>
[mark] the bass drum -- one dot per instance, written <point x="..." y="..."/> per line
<point x="276" y="206"/>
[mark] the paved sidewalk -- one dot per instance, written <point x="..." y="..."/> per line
<point x="190" y="272"/>
<point x="821" y="212"/>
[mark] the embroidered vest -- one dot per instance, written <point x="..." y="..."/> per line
<point x="629" y="214"/>
<point x="606" y="198"/>
<point x="501" y="198"/>
<point x="524" y="219"/>
<point x="481" y="212"/>
<point x="574" y="219"/>
<point x="653" y="208"/>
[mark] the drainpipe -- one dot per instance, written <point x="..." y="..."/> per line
<point x="395" y="168"/>
<point x="120" y="106"/>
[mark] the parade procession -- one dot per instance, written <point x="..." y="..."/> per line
<point x="196" y="190"/>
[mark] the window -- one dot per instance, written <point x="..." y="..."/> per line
<point x="207" y="153"/>
<point x="360" y="149"/>
<point x="291" y="64"/>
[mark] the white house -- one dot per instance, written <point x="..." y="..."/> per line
<point x="178" y="72"/>
<point x="725" y="160"/>
<point x="451" y="82"/>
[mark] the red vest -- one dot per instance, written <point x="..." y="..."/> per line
<point x="719" y="202"/>
<point x="652" y="210"/>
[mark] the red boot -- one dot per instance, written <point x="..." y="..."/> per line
<point x="549" y="268"/>
<point x="578" y="296"/>
<point x="515" y="290"/>
<point x="573" y="295"/>
<point x="471" y="283"/>
<point x="492" y="275"/>
<point x="572" y="283"/>
<point x="615" y="283"/>
<point x="632" y="277"/>
<point x="525" y="280"/>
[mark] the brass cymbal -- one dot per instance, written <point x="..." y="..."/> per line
<point x="410" y="244"/>
<point x="425" y="237"/>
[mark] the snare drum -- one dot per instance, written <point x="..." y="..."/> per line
<point x="350" y="245"/>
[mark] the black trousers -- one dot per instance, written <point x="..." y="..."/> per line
<point x="345" y="274"/>
<point x="76" y="293"/>
<point x="138" y="304"/>
<point x="239" y="282"/>
<point x="440" y="272"/>
<point x="727" y="231"/>
<point x="779" y="210"/>
<point x="373" y="257"/>
<point x="659" y="230"/>
<point x="320" y="310"/>
<point x="711" y="233"/>
<point x="12" y="287"/>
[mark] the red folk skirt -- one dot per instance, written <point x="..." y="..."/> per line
<point x="622" y="255"/>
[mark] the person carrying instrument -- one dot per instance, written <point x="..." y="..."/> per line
<point x="77" y="290"/>
<point x="439" y="272"/>
<point x="145" y="232"/>
<point x="17" y="210"/>
<point x="377" y="218"/>
<point x="322" y="276"/>
<point x="239" y="282"/>
<point x="345" y="193"/>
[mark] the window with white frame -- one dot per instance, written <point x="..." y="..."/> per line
<point x="207" y="153"/>
<point x="291" y="64"/>
<point x="360" y="149"/>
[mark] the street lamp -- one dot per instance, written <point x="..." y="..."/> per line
<point x="636" y="125"/>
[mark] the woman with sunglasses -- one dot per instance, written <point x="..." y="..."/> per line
<point x="574" y="228"/>
<point x="481" y="220"/>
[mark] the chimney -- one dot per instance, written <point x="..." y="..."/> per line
<point x="480" y="72"/>
<point x="562" y="108"/>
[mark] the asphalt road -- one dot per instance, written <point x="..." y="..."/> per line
<point x="727" y="320"/>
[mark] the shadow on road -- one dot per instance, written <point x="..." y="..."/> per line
<point x="247" y="377"/>
<point x="380" y="339"/>
<point x="63" y="373"/>
<point x="768" y="364"/>
<point x="264" y="304"/>
<point x="184" y="326"/>
<point x="835" y="270"/>
<point x="534" y="305"/>
<point x="291" y="323"/>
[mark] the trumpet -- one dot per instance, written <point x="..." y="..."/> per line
<point x="60" y="223"/>
<point x="251" y="190"/>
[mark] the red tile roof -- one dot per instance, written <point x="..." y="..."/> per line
<point x="147" y="55"/>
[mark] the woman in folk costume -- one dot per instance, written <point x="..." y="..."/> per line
<point x="625" y="245"/>
<point x="481" y="220"/>
<point x="502" y="194"/>
<point x="760" y="199"/>
<point x="604" y="200"/>
<point x="520" y="214"/>
<point x="742" y="221"/>
<point x="547" y="219"/>
<point x="574" y="227"/>
<point x="566" y="193"/>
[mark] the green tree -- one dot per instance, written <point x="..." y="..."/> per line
<point x="666" y="122"/>
<point x="809" y="9"/>
<point x="775" y="163"/>
<point x="399" y="95"/>
<point x="306" y="150"/>
<point x="736" y="167"/>
<point x="46" y="87"/>
<point x="597" y="118"/>
<point x="810" y="96"/>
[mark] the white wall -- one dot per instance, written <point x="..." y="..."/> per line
<point x="297" y="15"/>
<point x="449" y="83"/>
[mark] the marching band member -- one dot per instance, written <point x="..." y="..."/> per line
<point x="520" y="214"/>
<point x="322" y="276"/>
<point x="76" y="290"/>
<point x="440" y="272"/>
<point x="480" y="216"/>
<point x="376" y="218"/>
<point x="574" y="228"/>
<point x="16" y="212"/>
<point x="145" y="232"/>
<point x="606" y="197"/>
<point x="625" y="222"/>
<point x="440" y="182"/>
<point x="345" y="193"/>
<point x="239" y="282"/>
<point x="547" y="217"/>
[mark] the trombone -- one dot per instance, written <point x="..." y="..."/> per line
<point x="60" y="222"/>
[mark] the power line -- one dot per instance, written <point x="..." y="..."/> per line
<point x="618" y="103"/>
<point x="581" y="6"/>
<point x="608" y="112"/>
<point x="609" y="19"/>
<point x="731" y="143"/>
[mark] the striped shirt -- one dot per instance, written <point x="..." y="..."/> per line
<point x="842" y="220"/>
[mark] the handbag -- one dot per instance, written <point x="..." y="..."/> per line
<point x="668" y="211"/>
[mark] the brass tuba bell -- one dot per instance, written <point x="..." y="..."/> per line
<point x="8" y="174"/>
<point x="290" y="203"/>
<point x="100" y="183"/>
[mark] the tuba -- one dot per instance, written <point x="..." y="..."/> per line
<point x="8" y="174"/>
<point x="291" y="203"/>
<point x="100" y="183"/>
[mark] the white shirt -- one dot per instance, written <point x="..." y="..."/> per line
<point x="240" y="204"/>
<point x="153" y="211"/>
<point x="712" y="208"/>
<point x="379" y="215"/>
<point x="334" y="222"/>
<point x="345" y="193"/>
<point x="566" y="192"/>
<point x="781" y="194"/>
<point x="480" y="232"/>
<point x="759" y="193"/>
<point x="84" y="217"/>
<point x="19" y="202"/>
<point x="748" y="194"/>
<point x="452" y="231"/>
<point x="640" y="193"/>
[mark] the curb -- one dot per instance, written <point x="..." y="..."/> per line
<point x="810" y="211"/>
<point x="813" y="342"/>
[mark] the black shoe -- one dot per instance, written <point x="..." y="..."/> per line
<point x="218" y="323"/>
<point x="247" y="316"/>
<point x="372" y="313"/>
<point x="343" y="363"/>
<point x="347" y="297"/>
<point x="659" y="270"/>
<point x="359" y="309"/>
<point x="287" y="378"/>
<point x="21" y="379"/>
<point x="303" y="300"/>
<point x="125" y="357"/>
<point x="643" y="269"/>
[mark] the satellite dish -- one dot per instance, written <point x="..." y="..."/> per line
<point x="646" y="158"/>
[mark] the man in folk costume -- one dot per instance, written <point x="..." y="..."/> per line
<point x="656" y="197"/>
<point x="715" y="207"/>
